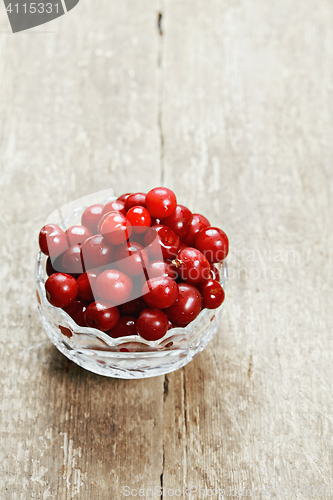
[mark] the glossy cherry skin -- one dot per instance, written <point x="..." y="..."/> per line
<point x="133" y="307"/>
<point x="139" y="219"/>
<point x="77" y="235"/>
<point x="102" y="219"/>
<point x="214" y="273"/>
<point x="114" y="206"/>
<point x="159" y="293"/>
<point x="91" y="216"/>
<point x="86" y="283"/>
<point x="61" y="289"/>
<point x="101" y="315"/>
<point x="152" y="324"/>
<point x="97" y="252"/>
<point x="161" y="243"/>
<point x="131" y="258"/>
<point x="123" y="197"/>
<point x="212" y="293"/>
<point x="213" y="243"/>
<point x="134" y="200"/>
<point x="52" y="240"/>
<point x="179" y="221"/>
<point x="198" y="222"/>
<point x="187" y="306"/>
<point x="125" y="327"/>
<point x="76" y="311"/>
<point x="114" y="286"/>
<point x="159" y="268"/>
<point x="161" y="202"/>
<point x="116" y="229"/>
<point x="72" y="260"/>
<point x="193" y="265"/>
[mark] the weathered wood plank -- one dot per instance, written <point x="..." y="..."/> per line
<point x="230" y="106"/>
<point x="80" y="114"/>
<point x="247" y="140"/>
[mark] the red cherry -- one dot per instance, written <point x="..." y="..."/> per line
<point x="131" y="258"/>
<point x="91" y="216"/>
<point x="114" y="206"/>
<point x="86" y="283"/>
<point x="198" y="223"/>
<point x="101" y="315"/>
<point x="194" y="267"/>
<point x="123" y="197"/>
<point x="114" y="286"/>
<point x="212" y="294"/>
<point x="52" y="240"/>
<point x="213" y="243"/>
<point x="159" y="293"/>
<point x="102" y="219"/>
<point x="161" y="239"/>
<point x="61" y="289"/>
<point x="77" y="234"/>
<point x="72" y="260"/>
<point x="187" y="306"/>
<point x="96" y="252"/>
<point x="125" y="327"/>
<point x="76" y="311"/>
<point x="161" y="202"/>
<point x="152" y="324"/>
<point x="116" y="229"/>
<point x="214" y="273"/>
<point x="134" y="200"/>
<point x="179" y="221"/>
<point x="133" y="307"/>
<point x="159" y="268"/>
<point x="139" y="219"/>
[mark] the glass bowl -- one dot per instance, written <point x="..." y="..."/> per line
<point x="128" y="357"/>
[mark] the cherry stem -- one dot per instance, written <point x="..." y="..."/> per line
<point x="176" y="262"/>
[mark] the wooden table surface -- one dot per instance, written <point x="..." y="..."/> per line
<point x="229" y="103"/>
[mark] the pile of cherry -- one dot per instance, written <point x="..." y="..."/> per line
<point x="139" y="265"/>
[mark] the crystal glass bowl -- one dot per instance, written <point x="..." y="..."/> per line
<point x="127" y="357"/>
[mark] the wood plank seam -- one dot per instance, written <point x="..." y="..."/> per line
<point x="160" y="76"/>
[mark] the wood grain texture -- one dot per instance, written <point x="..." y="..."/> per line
<point x="230" y="104"/>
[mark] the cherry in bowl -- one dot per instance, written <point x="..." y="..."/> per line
<point x="180" y="324"/>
